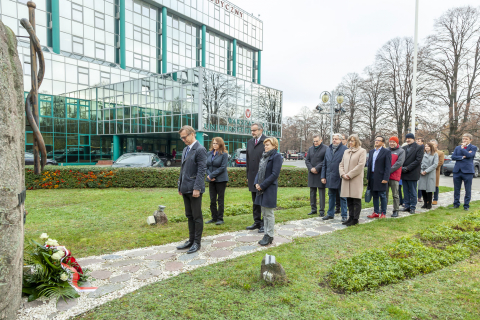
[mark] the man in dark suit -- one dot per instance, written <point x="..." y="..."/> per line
<point x="331" y="177"/>
<point x="378" y="174"/>
<point x="411" y="172"/>
<point x="463" y="170"/>
<point x="191" y="186"/>
<point x="314" y="162"/>
<point x="254" y="154"/>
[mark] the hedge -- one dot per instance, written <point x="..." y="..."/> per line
<point x="71" y="177"/>
<point x="431" y="249"/>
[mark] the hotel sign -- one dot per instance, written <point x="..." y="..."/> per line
<point x="228" y="7"/>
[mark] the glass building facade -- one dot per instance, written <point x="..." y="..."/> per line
<point x="123" y="74"/>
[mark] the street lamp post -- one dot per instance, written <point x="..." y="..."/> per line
<point x="335" y="108"/>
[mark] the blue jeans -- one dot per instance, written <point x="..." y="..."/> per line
<point x="435" y="194"/>
<point x="383" y="199"/>
<point x="332" y="197"/>
<point x="457" y="184"/>
<point x="410" y="194"/>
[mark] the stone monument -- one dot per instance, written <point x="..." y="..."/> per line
<point x="12" y="173"/>
<point x="271" y="270"/>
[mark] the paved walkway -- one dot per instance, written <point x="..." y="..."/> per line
<point x="125" y="271"/>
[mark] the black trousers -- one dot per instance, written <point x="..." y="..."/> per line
<point x="193" y="211"/>
<point x="217" y="189"/>
<point x="354" y="207"/>
<point x="257" y="211"/>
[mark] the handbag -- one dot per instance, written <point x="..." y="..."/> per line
<point x="368" y="196"/>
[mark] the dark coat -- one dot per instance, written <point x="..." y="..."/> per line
<point x="270" y="185"/>
<point x="462" y="164"/>
<point x="218" y="167"/>
<point x="254" y="154"/>
<point x="331" y="163"/>
<point x="413" y="162"/>
<point x="192" y="172"/>
<point x="315" y="159"/>
<point x="383" y="164"/>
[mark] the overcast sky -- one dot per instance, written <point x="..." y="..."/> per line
<point x="309" y="45"/>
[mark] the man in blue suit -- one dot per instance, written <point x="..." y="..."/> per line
<point x="463" y="170"/>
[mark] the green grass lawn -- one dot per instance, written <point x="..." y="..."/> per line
<point x="101" y="221"/>
<point x="233" y="289"/>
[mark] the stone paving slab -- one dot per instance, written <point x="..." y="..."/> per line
<point x="157" y="263"/>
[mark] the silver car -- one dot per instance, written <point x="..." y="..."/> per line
<point x="138" y="160"/>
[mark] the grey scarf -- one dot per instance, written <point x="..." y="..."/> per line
<point x="263" y="167"/>
<point x="335" y="148"/>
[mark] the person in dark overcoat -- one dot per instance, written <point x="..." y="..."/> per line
<point x="411" y="172"/>
<point x="331" y="177"/>
<point x="266" y="183"/>
<point x="378" y="174"/>
<point x="254" y="154"/>
<point x="191" y="186"/>
<point x="314" y="162"/>
<point x="217" y="176"/>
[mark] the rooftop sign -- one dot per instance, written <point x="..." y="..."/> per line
<point x="228" y="7"/>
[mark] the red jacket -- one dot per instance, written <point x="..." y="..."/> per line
<point x="398" y="157"/>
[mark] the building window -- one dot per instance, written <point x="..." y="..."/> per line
<point x="175" y="46"/>
<point x="137" y="33"/>
<point x="99" y="51"/>
<point x="27" y="66"/>
<point x="83" y="76"/>
<point x="77" y="13"/>
<point x="105" y="77"/>
<point x="99" y="20"/>
<point x="77" y="45"/>
<point x="137" y="61"/>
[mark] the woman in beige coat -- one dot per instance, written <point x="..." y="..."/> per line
<point x="352" y="171"/>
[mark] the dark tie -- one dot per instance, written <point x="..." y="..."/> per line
<point x="256" y="141"/>
<point x="186" y="152"/>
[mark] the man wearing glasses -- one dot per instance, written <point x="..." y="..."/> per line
<point x="378" y="174"/>
<point x="254" y="154"/>
<point x="191" y="186"/>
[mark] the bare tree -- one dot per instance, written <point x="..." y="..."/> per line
<point x="395" y="60"/>
<point x="452" y="66"/>
<point x="372" y="109"/>
<point x="350" y="87"/>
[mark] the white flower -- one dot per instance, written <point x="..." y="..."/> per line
<point x="44" y="236"/>
<point x="64" y="277"/>
<point x="52" y="243"/>
<point x="58" y="255"/>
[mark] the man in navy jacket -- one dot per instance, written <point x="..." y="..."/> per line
<point x="463" y="170"/>
<point x="378" y="174"/>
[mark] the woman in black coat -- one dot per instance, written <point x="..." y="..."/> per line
<point x="266" y="183"/>
<point x="217" y="176"/>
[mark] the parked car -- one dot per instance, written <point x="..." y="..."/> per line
<point x="29" y="160"/>
<point x="300" y="156"/>
<point x="138" y="160"/>
<point x="449" y="164"/>
<point x="167" y="158"/>
<point x="240" y="158"/>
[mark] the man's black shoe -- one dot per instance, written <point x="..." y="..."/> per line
<point x="337" y="211"/>
<point x="261" y="230"/>
<point x="210" y="221"/>
<point x="412" y="211"/>
<point x="352" y="223"/>
<point x="322" y="213"/>
<point x="253" y="227"/>
<point x="186" y="245"/>
<point x="394" y="214"/>
<point x="405" y="209"/>
<point x="327" y="218"/>
<point x="466" y="209"/>
<point x="219" y="222"/>
<point x="344" y="219"/>
<point x="194" y="248"/>
<point x="311" y="213"/>
<point x="453" y="207"/>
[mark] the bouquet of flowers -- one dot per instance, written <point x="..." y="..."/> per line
<point x="52" y="271"/>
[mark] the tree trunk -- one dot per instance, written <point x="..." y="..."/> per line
<point x="12" y="166"/>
